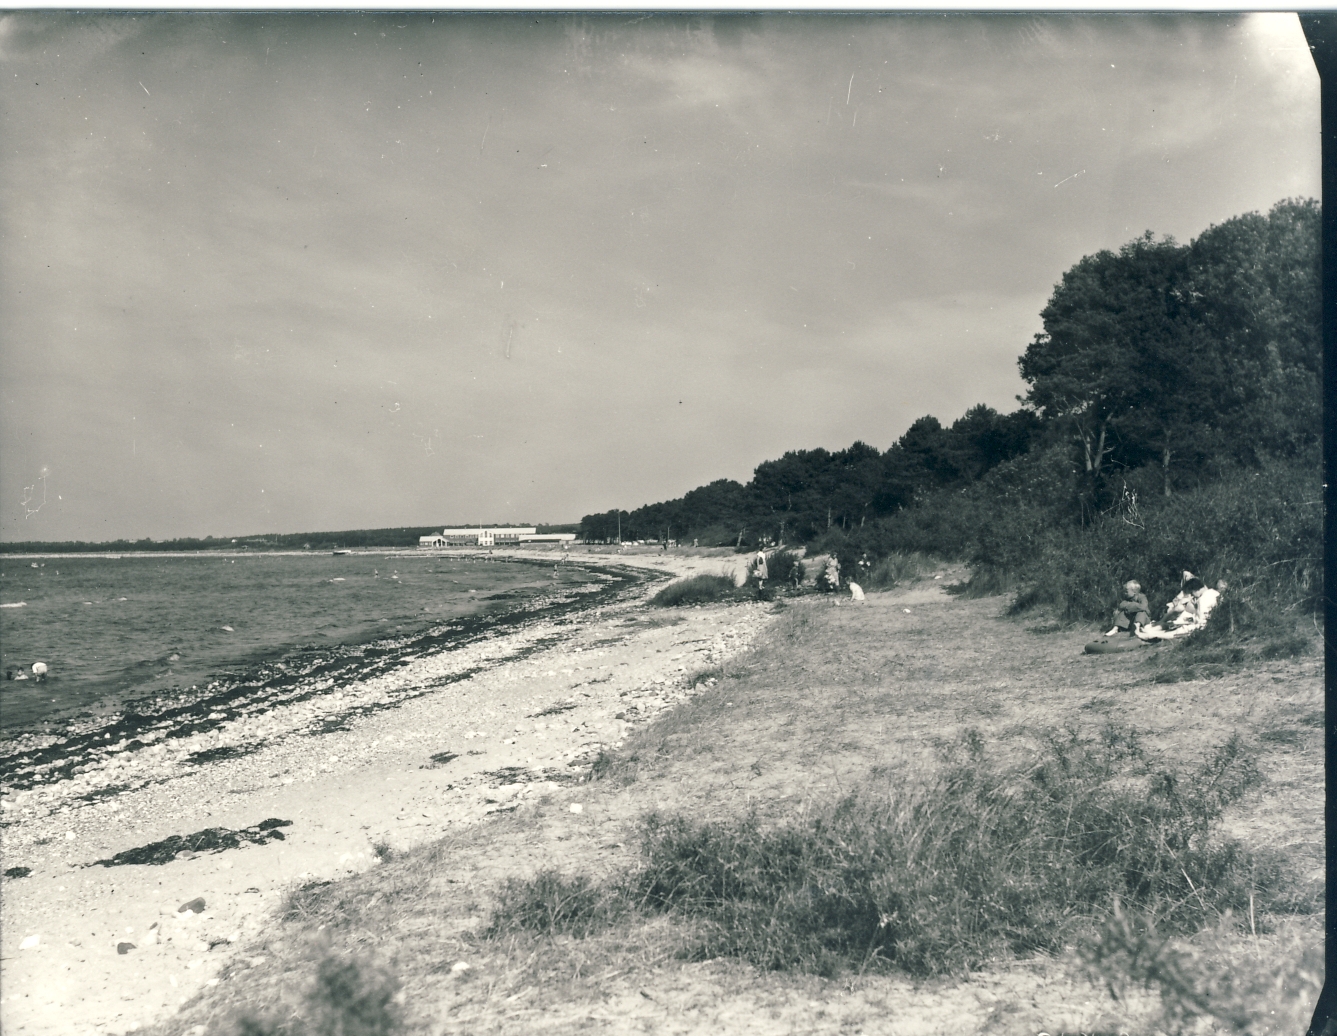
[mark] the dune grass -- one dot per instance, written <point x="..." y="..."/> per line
<point x="786" y="568"/>
<point x="702" y="589"/>
<point x="898" y="569"/>
<point x="940" y="877"/>
<point x="348" y="997"/>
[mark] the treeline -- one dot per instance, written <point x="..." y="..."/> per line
<point x="807" y="493"/>
<point x="349" y="539"/>
<point x="1173" y="388"/>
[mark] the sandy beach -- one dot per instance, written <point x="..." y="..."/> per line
<point x="832" y="694"/>
<point x="470" y="732"/>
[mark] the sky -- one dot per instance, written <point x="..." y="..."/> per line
<point x="310" y="272"/>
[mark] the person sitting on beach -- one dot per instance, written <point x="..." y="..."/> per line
<point x="1204" y="600"/>
<point x="1180" y="603"/>
<point x="1201" y="600"/>
<point x="1133" y="611"/>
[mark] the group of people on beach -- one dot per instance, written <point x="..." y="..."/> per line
<point x="1187" y="611"/>
<point x="828" y="580"/>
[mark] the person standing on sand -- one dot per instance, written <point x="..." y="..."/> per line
<point x="760" y="569"/>
<point x="1133" y="611"/>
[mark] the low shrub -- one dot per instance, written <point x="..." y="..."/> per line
<point x="348" y="998"/>
<point x="896" y="569"/>
<point x="1261" y="531"/>
<point x="980" y="861"/>
<point x="994" y="581"/>
<point x="552" y="904"/>
<point x="1024" y="528"/>
<point x="1215" y="975"/>
<point x="352" y="999"/>
<point x="1286" y="647"/>
<point x="983" y="861"/>
<point x="785" y="567"/>
<point x="704" y="589"/>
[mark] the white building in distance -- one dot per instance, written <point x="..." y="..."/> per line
<point x="492" y="537"/>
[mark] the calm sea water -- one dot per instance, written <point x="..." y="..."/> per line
<point x="113" y="630"/>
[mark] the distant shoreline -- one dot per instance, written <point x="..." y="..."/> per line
<point x="232" y="552"/>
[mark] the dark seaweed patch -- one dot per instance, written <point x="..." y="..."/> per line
<point x="521" y="775"/>
<point x="98" y="794"/>
<point x="213" y="755"/>
<point x="17" y="872"/>
<point x="554" y="709"/>
<point x="509" y="775"/>
<point x="210" y="840"/>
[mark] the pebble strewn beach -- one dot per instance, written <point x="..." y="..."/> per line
<point x="385" y="763"/>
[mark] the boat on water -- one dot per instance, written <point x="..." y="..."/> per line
<point x="338" y="552"/>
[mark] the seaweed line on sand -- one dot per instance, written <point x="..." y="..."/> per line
<point x="90" y="758"/>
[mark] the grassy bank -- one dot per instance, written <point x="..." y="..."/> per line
<point x="913" y="810"/>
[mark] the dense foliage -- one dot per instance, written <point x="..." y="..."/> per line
<point x="1172" y="420"/>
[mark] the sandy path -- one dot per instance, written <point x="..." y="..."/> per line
<point x="345" y="792"/>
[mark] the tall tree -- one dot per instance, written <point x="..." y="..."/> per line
<point x="1121" y="360"/>
<point x="1255" y="290"/>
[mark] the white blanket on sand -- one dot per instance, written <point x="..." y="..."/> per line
<point x="1194" y="617"/>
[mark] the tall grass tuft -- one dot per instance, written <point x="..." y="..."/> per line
<point x="1247" y="987"/>
<point x="980" y="861"/>
<point x="348" y="998"/>
<point x="552" y="904"/>
<point x="704" y="589"/>
<point x="898" y="568"/>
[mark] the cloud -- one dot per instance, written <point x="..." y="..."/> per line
<point x="679" y="244"/>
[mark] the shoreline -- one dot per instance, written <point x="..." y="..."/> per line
<point x="251" y="683"/>
<point x="279" y="665"/>
<point x="451" y="736"/>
